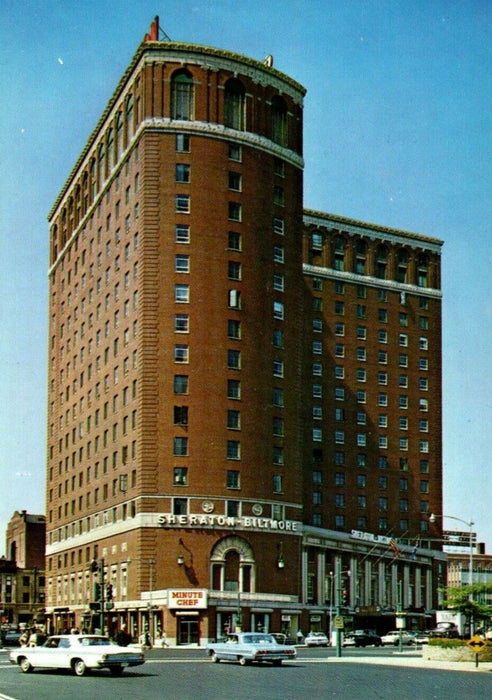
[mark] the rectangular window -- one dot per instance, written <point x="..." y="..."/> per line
<point x="180" y="415"/>
<point x="278" y="195"/>
<point x="279" y="225"/>
<point x="182" y="233"/>
<point x="277" y="483"/>
<point x="278" y="253"/>
<point x="233" y="420"/>
<point x="180" y="383"/>
<point x="180" y="446"/>
<point x="234" y="270"/>
<point x="181" y="353"/>
<point x="233" y="479"/>
<point x="181" y="293"/>
<point x="234" y="211"/>
<point x="278" y="397"/>
<point x="180" y="476"/>
<point x="182" y="263"/>
<point x="278" y="368"/>
<point x="181" y="323"/>
<point x="182" y="203"/>
<point x="182" y="172"/>
<point x="233" y="449"/>
<point x="278" y="310"/>
<point x="182" y="143"/>
<point x="233" y="329"/>
<point x="234" y="359"/>
<point x="235" y="152"/>
<point x="278" y="282"/>
<point x="233" y="389"/>
<point x="235" y="181"/>
<point x="234" y="240"/>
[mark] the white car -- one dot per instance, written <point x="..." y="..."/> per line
<point x="80" y="652"/>
<point x="316" y="639"/>
<point x="393" y="638"/>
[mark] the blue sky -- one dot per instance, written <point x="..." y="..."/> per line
<point x="397" y="132"/>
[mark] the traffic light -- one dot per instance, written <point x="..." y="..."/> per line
<point x="344" y="597"/>
<point x="109" y="591"/>
<point x="97" y="592"/>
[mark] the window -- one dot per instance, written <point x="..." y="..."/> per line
<point x="181" y="293"/>
<point x="277" y="483"/>
<point x="233" y="449"/>
<point x="278" y="455"/>
<point x="278" y="253"/>
<point x="233" y="419"/>
<point x="339" y="328"/>
<point x="278" y="195"/>
<point x="234" y="211"/>
<point x="278" y="426"/>
<point x="182" y="203"/>
<point x="279" y="120"/>
<point x="181" y="95"/>
<point x="180" y="476"/>
<point x="181" y="323"/>
<point x="233" y="389"/>
<point x="182" y="263"/>
<point x="278" y="338"/>
<point x="180" y="446"/>
<point x="278" y="282"/>
<point x="234" y="270"/>
<point x="182" y="233"/>
<point x="233" y="479"/>
<point x="181" y="353"/>
<point x="339" y="307"/>
<point x="278" y="397"/>
<point x="361" y="354"/>
<point x="235" y="181"/>
<point x="182" y="173"/>
<point x="180" y="384"/>
<point x="234" y="240"/>
<point x="361" y="375"/>
<point x="180" y="415"/>
<point x="279" y="225"/>
<point x="278" y="368"/>
<point x="182" y="143"/>
<point x="278" y="310"/>
<point x="340" y="500"/>
<point x="235" y="152"/>
<point x="233" y="329"/>
<point x="234" y="359"/>
<point x="234" y="104"/>
<point x="317" y="435"/>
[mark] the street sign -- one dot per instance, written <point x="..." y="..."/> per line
<point x="477" y="644"/>
<point x="339" y="622"/>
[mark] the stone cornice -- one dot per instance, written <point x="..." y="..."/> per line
<point x="330" y="273"/>
<point x="375" y="231"/>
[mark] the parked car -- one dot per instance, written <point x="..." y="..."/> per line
<point x="246" y="647"/>
<point x="79" y="652"/>
<point x="365" y="638"/>
<point x="422" y="637"/>
<point x="445" y="630"/>
<point x="282" y="638"/>
<point x="393" y="638"/>
<point x="10" y="638"/>
<point x="316" y="639"/>
<point x="349" y="639"/>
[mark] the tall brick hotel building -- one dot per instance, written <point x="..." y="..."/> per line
<point x="244" y="396"/>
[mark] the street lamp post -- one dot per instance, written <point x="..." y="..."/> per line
<point x="470" y="524"/>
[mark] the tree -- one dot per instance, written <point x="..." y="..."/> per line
<point x="463" y="599"/>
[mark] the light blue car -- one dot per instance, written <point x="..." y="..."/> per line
<point x="248" y="647"/>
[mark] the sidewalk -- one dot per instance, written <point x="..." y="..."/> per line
<point x="415" y="660"/>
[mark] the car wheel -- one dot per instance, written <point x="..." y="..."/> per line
<point x="243" y="661"/>
<point x="79" y="667"/>
<point x="25" y="665"/>
<point x="214" y="658"/>
<point x="116" y="670"/>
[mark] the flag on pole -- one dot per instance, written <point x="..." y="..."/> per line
<point x="394" y="547"/>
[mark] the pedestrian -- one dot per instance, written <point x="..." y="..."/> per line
<point x="123" y="639"/>
<point x="300" y="636"/>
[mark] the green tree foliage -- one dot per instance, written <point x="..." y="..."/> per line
<point x="465" y="599"/>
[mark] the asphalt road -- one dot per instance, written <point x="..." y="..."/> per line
<point x="177" y="674"/>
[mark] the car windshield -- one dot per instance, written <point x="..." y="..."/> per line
<point x="94" y="641"/>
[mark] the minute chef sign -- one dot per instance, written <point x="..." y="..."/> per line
<point x="186" y="599"/>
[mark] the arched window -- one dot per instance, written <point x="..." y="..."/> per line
<point x="182" y="95"/>
<point x="339" y="253"/>
<point x="234" y="103"/>
<point x="279" y="121"/>
<point x="129" y="119"/>
<point x="381" y="261"/>
<point x="232" y="566"/>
